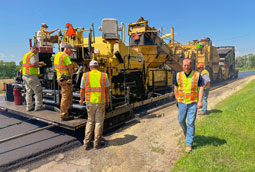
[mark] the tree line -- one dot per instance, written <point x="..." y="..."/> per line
<point x="246" y="61"/>
<point x="8" y="69"/>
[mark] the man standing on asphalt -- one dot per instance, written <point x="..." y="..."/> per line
<point x="63" y="66"/>
<point x="206" y="77"/>
<point x="30" y="65"/>
<point x="95" y="88"/>
<point x="188" y="90"/>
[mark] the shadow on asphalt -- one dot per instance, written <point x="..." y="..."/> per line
<point x="200" y="141"/>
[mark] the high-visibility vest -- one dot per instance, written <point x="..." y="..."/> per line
<point x="43" y="32"/>
<point x="59" y="64"/>
<point x="95" y="86"/>
<point x="27" y="68"/>
<point x="205" y="72"/>
<point x="187" y="90"/>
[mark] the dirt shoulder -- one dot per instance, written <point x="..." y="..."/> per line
<point x="150" y="143"/>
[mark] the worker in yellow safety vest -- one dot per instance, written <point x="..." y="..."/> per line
<point x="46" y="34"/>
<point x="30" y="65"/>
<point x="206" y="77"/>
<point x="63" y="67"/>
<point x="95" y="89"/>
<point x="188" y="90"/>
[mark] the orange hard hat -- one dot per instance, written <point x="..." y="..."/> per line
<point x="200" y="65"/>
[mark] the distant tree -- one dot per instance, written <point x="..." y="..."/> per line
<point x="241" y="61"/>
<point x="10" y="69"/>
<point x="251" y="60"/>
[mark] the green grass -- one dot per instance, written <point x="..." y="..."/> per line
<point x="246" y="69"/>
<point x="225" y="140"/>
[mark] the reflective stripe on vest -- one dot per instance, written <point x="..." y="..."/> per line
<point x="59" y="65"/>
<point x="27" y="68"/>
<point x="187" y="90"/>
<point x="205" y="72"/>
<point x="94" y="86"/>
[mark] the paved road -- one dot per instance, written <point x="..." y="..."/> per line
<point x="23" y="150"/>
<point x="20" y="151"/>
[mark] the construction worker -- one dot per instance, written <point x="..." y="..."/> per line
<point x="95" y="88"/>
<point x="188" y="90"/>
<point x="206" y="77"/>
<point x="46" y="34"/>
<point x="30" y="65"/>
<point x="44" y="30"/>
<point x="63" y="66"/>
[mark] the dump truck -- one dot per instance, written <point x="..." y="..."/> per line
<point x="219" y="61"/>
<point x="227" y="61"/>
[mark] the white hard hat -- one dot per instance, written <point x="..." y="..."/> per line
<point x="93" y="63"/>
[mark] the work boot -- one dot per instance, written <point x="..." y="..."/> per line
<point x="188" y="149"/>
<point x="68" y="118"/>
<point x="39" y="108"/>
<point x="98" y="145"/>
<point x="28" y="110"/>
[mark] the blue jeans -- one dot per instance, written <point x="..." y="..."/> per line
<point x="188" y="111"/>
<point x="205" y="97"/>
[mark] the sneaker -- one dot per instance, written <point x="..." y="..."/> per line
<point x="68" y="118"/>
<point x="188" y="149"/>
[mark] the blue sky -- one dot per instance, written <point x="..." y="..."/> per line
<point x="226" y="22"/>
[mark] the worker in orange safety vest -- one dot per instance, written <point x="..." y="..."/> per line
<point x="188" y="90"/>
<point x="63" y="66"/>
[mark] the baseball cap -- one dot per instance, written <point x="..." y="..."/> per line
<point x="44" y="25"/>
<point x="93" y="63"/>
<point x="69" y="46"/>
<point x="200" y="65"/>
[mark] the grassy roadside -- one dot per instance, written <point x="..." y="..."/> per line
<point x="225" y="140"/>
<point x="246" y="69"/>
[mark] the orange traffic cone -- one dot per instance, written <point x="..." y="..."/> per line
<point x="70" y="30"/>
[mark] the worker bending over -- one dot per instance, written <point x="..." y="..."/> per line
<point x="188" y="90"/>
<point x="63" y="66"/>
<point x="30" y="65"/>
<point x="95" y="88"/>
<point x="206" y="77"/>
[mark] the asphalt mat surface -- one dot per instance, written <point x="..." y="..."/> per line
<point x="21" y="151"/>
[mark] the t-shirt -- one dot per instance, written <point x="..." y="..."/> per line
<point x="206" y="78"/>
<point x="67" y="60"/>
<point x="107" y="83"/>
<point x="200" y="80"/>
